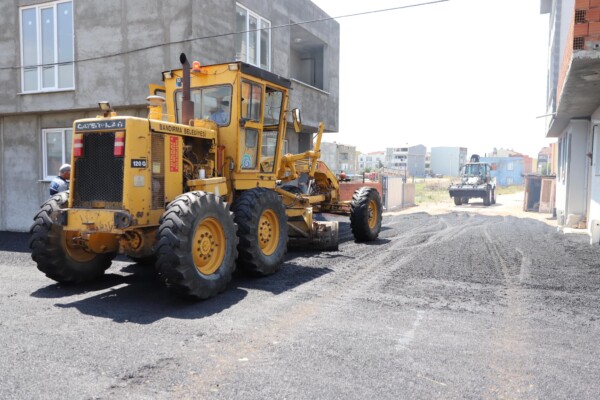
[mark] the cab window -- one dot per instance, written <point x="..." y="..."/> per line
<point x="212" y="102"/>
<point x="251" y="101"/>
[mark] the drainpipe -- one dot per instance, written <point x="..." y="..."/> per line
<point x="187" y="105"/>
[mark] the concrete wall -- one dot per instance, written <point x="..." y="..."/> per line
<point x="103" y="29"/>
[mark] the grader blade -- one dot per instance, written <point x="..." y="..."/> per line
<point x="323" y="236"/>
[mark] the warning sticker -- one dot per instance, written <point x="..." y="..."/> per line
<point x="174" y="154"/>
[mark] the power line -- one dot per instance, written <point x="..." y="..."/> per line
<point x="229" y="34"/>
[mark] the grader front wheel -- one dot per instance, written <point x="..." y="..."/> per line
<point x="196" y="245"/>
<point x="53" y="251"/>
<point x="365" y="214"/>
<point x="262" y="230"/>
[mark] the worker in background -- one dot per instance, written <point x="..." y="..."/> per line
<point x="61" y="182"/>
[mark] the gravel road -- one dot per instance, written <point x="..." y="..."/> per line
<point x="464" y="302"/>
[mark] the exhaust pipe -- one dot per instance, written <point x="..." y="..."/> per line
<point x="187" y="105"/>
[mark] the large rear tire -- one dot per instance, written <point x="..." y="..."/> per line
<point x="494" y="196"/>
<point x="53" y="252"/>
<point x="196" y="245"/>
<point x="457" y="200"/>
<point x="262" y="231"/>
<point x="365" y="214"/>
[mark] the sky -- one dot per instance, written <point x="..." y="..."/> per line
<point x="468" y="73"/>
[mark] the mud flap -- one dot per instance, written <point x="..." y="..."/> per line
<point x="324" y="236"/>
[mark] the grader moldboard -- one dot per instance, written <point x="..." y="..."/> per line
<point x="197" y="188"/>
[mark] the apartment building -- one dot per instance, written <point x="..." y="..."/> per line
<point x="573" y="106"/>
<point x="371" y="161"/>
<point x="407" y="158"/>
<point x="448" y="161"/>
<point x="339" y="157"/>
<point x="59" y="58"/>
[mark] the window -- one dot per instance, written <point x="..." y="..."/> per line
<point x="251" y="101"/>
<point x="253" y="44"/>
<point x="273" y="106"/>
<point x="56" y="151"/>
<point x="510" y="166"/>
<point x="47" y="47"/>
<point x="267" y="153"/>
<point x="212" y="102"/>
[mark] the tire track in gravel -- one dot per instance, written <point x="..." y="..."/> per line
<point x="506" y="377"/>
<point x="281" y="321"/>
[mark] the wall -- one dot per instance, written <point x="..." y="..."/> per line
<point x="594" y="206"/>
<point x="507" y="170"/>
<point x="102" y="29"/>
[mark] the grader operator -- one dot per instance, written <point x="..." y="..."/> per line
<point x="197" y="188"/>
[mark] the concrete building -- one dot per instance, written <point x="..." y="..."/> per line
<point x="544" y="161"/>
<point x="409" y="158"/>
<point x="573" y="105"/>
<point x="60" y="58"/>
<point x="339" y="157"/>
<point x="428" y="163"/>
<point x="448" y="160"/>
<point x="507" y="170"/>
<point x="528" y="162"/>
<point x="371" y="161"/>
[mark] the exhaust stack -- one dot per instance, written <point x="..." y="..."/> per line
<point x="187" y="105"/>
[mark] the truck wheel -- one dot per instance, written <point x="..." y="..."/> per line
<point x="457" y="200"/>
<point x="51" y="248"/>
<point x="465" y="200"/>
<point x="262" y="231"/>
<point x="196" y="245"/>
<point x="494" y="196"/>
<point x="487" y="197"/>
<point x="365" y="214"/>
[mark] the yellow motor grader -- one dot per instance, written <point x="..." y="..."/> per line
<point x="199" y="187"/>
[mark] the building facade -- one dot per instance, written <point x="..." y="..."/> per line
<point x="508" y="171"/>
<point x="407" y="158"/>
<point x="339" y="157"/>
<point x="448" y="161"/>
<point x="573" y="108"/>
<point x="371" y="161"/>
<point x="61" y="57"/>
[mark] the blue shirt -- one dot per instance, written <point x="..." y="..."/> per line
<point x="57" y="185"/>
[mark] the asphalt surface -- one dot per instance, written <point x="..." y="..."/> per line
<point x="460" y="304"/>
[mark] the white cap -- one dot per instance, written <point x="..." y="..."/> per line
<point x="64" y="168"/>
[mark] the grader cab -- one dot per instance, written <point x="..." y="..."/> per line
<point x="198" y="188"/>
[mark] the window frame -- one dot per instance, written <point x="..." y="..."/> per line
<point x="49" y="175"/>
<point x="260" y="29"/>
<point x="39" y="48"/>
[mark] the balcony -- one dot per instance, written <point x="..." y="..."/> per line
<point x="578" y="89"/>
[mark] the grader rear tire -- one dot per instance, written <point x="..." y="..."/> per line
<point x="55" y="256"/>
<point x="262" y="230"/>
<point x="196" y="245"/>
<point x="365" y="214"/>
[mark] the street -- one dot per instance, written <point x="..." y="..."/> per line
<point x="462" y="302"/>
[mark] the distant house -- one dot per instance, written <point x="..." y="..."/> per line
<point x="407" y="158"/>
<point x="527" y="161"/>
<point x="339" y="157"/>
<point x="544" y="161"/>
<point x="507" y="170"/>
<point x="371" y="161"/>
